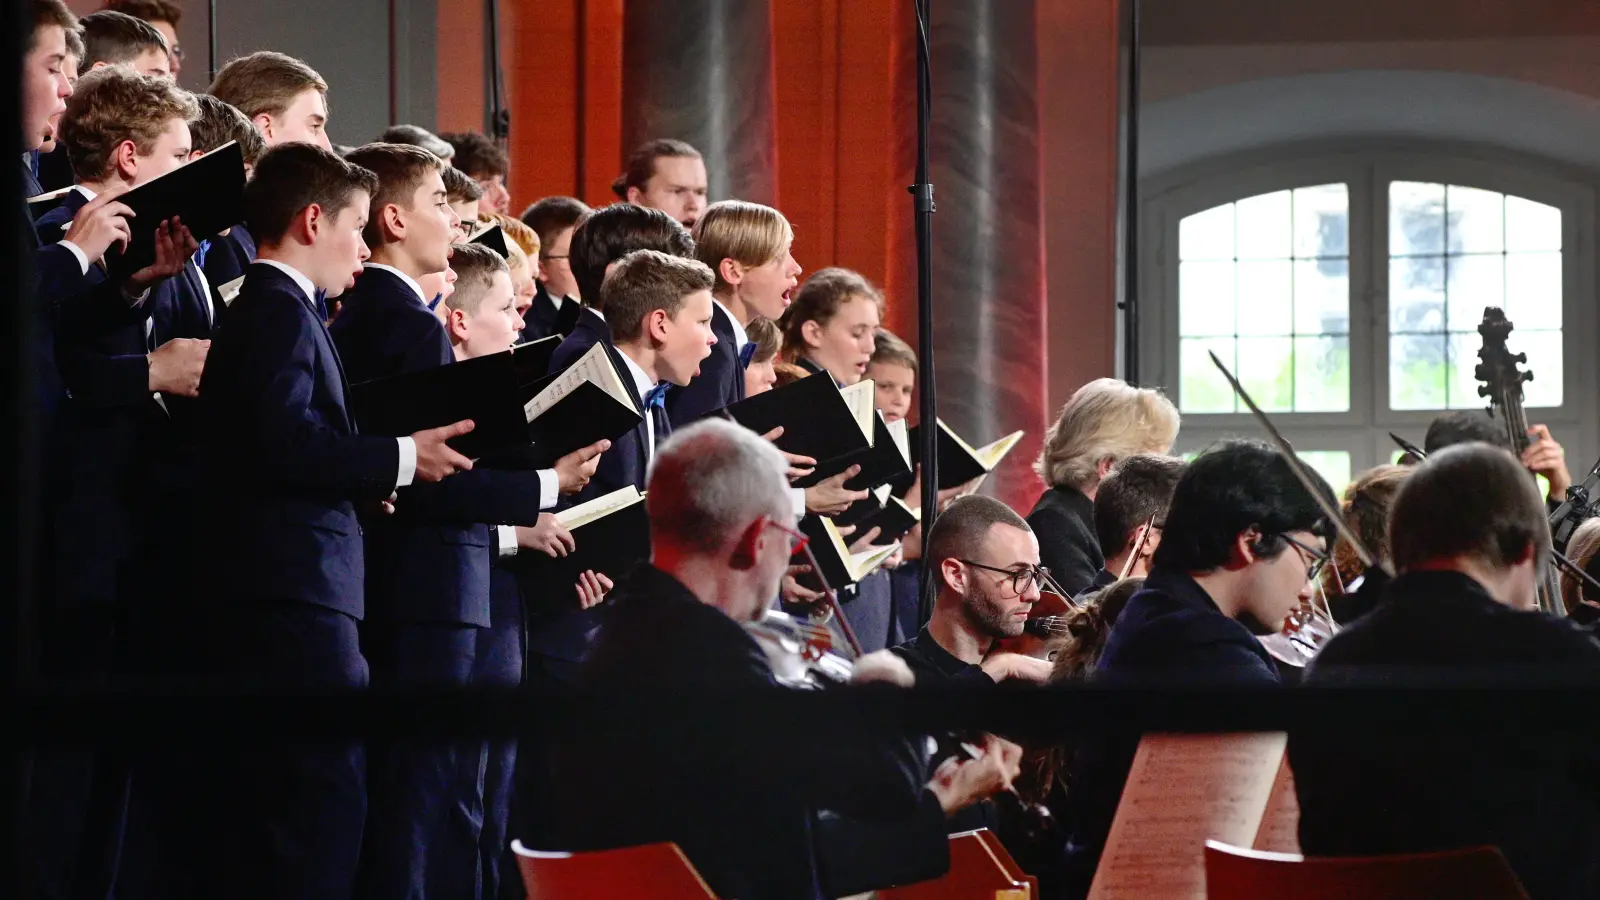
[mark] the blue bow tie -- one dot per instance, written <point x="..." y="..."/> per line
<point x="200" y="255"/>
<point x="434" y="303"/>
<point x="746" y="354"/>
<point x="657" y="396"/>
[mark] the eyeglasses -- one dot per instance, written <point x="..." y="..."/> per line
<point x="1021" y="579"/>
<point x="1318" y="558"/>
<point x="177" y="52"/>
<point x="797" y="541"/>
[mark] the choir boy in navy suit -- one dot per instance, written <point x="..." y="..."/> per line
<point x="747" y="246"/>
<point x="48" y="165"/>
<point x="603" y="237"/>
<point x="481" y="318"/>
<point x="556" y="302"/>
<point x="78" y="305"/>
<point x="287" y="101"/>
<point x="428" y="565"/>
<point x="286" y="562"/>
<point x="221" y="259"/>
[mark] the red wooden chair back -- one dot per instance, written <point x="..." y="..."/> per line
<point x="1476" y="873"/>
<point x="653" y="871"/>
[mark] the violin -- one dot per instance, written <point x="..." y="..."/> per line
<point x="803" y="654"/>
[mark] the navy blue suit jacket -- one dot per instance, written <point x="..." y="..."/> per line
<point x="229" y="255"/>
<point x="721" y="378"/>
<point x="627" y="461"/>
<point x="289" y="467"/>
<point x="430" y="561"/>
<point x="543" y="319"/>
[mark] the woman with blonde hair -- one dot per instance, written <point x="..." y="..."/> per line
<point x="1104" y="422"/>
<point x="1365" y="509"/>
<point x="1582" y="602"/>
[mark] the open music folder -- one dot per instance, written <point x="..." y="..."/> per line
<point x="882" y="510"/>
<point x="493" y="391"/>
<point x="206" y="195"/>
<point x="1186" y="789"/>
<point x="819" y="420"/>
<point x="839" y="566"/>
<point x="612" y="534"/>
<point x="493" y="237"/>
<point x="959" y="461"/>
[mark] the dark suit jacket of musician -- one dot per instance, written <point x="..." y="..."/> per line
<point x="721" y="378"/>
<point x="738" y="804"/>
<point x="1536" y="797"/>
<point x="429" y="561"/>
<point x="289" y="467"/>
<point x="1063" y="521"/>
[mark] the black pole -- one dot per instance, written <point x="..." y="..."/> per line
<point x="922" y="211"/>
<point x="211" y="38"/>
<point x="498" y="126"/>
<point x="1130" y="207"/>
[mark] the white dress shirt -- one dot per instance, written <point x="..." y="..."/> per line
<point x="644" y="384"/>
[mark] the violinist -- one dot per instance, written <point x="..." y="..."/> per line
<point x="1129" y="510"/>
<point x="1469" y="537"/>
<point x="1582" y="601"/>
<point x="984" y="561"/>
<point x="1366" y="510"/>
<point x="1103" y="423"/>
<point x="1241" y="542"/>
<point x="739" y="802"/>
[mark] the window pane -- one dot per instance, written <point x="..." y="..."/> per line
<point x="1332" y="465"/>
<point x="1416" y="294"/>
<point x="1266" y="369"/>
<point x="1205" y="298"/>
<point x="1322" y="296"/>
<point x="1477" y="220"/>
<point x="1264" y="226"/>
<point x="1533" y="291"/>
<point x="1201" y="388"/>
<point x="1417" y="371"/>
<point x="1207" y="235"/>
<point x="1532" y="226"/>
<point x="1475" y="282"/>
<point x="1321" y="374"/>
<point x="1264" y="299"/>
<point x="1462" y="380"/>
<point x="1322" y="221"/>
<point x="1416" y="218"/>
<point x="1544" y="361"/>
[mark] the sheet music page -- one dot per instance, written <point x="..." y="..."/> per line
<point x="960" y="441"/>
<point x="230" y="290"/>
<point x="862" y="398"/>
<point x="867" y="561"/>
<point x="881" y="493"/>
<point x="584" y="513"/>
<point x="991" y="454"/>
<point x="1182" y="791"/>
<point x="1280" y="827"/>
<point x="902" y="439"/>
<point x="592" y="366"/>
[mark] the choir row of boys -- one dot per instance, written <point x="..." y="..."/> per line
<point x="212" y="509"/>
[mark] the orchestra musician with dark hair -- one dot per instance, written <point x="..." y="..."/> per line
<point x="1469" y="537"/>
<point x="1130" y="509"/>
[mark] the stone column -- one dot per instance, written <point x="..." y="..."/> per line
<point x="701" y="71"/>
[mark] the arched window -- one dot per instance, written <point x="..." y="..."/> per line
<point x="1346" y="292"/>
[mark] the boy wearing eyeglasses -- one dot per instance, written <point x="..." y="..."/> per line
<point x="1240" y="545"/>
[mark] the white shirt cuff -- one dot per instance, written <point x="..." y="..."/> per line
<point x="508" y="539"/>
<point x="798" y="497"/>
<point x="83" y="258"/>
<point x="408" y="462"/>
<point x="549" y="488"/>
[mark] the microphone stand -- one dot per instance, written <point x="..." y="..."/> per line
<point x="1575" y="508"/>
<point x="922" y="211"/>
<point x="499" y="124"/>
<point x="1130" y="207"/>
<point x="211" y="38"/>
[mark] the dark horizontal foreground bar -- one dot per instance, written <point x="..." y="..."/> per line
<point x="1547" y="705"/>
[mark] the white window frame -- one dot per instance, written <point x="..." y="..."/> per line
<point x="1368" y="170"/>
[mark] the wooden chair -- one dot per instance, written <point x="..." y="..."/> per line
<point x="980" y="869"/>
<point x="653" y="871"/>
<point x="1477" y="873"/>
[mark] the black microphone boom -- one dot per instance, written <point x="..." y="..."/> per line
<point x="922" y="211"/>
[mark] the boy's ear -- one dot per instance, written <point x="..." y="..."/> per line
<point x="731" y="270"/>
<point x="308" y="223"/>
<point x="262" y="121"/>
<point x="125" y="158"/>
<point x="811" y="332"/>
<point x="392" y="222"/>
<point x="455" y="324"/>
<point x="655" y="324"/>
<point x="635" y="196"/>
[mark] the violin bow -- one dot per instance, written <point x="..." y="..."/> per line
<point x="1138" y="548"/>
<point x="1299" y="469"/>
<point x="832" y="598"/>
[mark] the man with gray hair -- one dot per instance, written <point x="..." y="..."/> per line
<point x="737" y="801"/>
